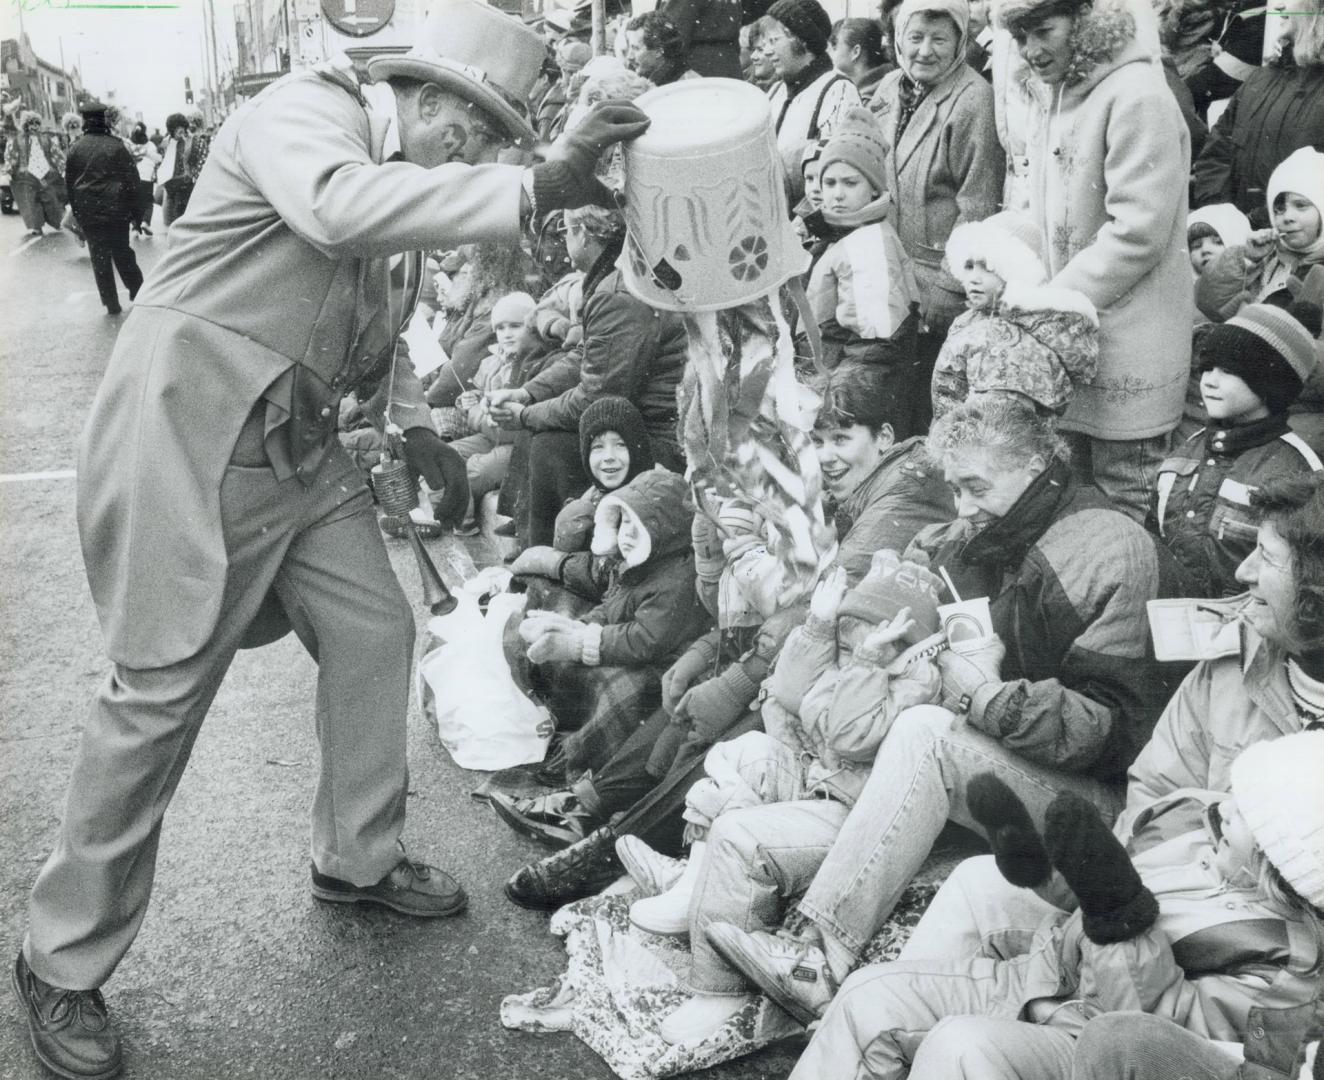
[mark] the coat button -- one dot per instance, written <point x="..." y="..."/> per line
<point x="326" y="411"/>
<point x="1190" y="513"/>
<point x="1257" y="1033"/>
<point x="1211" y="461"/>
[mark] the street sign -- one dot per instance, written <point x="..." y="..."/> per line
<point x="358" y="18"/>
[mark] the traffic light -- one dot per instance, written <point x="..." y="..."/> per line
<point x="188" y="91"/>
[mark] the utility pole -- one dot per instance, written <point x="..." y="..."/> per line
<point x="215" y="55"/>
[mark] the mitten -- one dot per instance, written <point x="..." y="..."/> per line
<point x="565" y="180"/>
<point x="717" y="703"/>
<point x="967" y="666"/>
<point x="559" y="643"/>
<point x="1015" y="841"/>
<point x="1114" y="903"/>
<point x="542" y="561"/>
<point x="694" y="663"/>
<point x="443" y="469"/>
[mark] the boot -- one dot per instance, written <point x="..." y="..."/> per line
<point x="652" y="871"/>
<point x="701" y="1017"/>
<point x="557" y="820"/>
<point x="668" y="914"/>
<point x="579" y="871"/>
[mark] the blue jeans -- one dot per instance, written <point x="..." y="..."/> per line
<point x="1136" y="1046"/>
<point x="1124" y="470"/>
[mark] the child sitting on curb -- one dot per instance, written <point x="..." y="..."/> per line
<point x="1019" y="335"/>
<point x="1252" y="368"/>
<point x="840" y="681"/>
<point x="1200" y="929"/>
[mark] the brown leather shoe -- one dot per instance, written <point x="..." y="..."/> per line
<point x="70" y="1029"/>
<point x="412" y="888"/>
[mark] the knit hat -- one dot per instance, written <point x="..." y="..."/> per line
<point x="1231" y="225"/>
<point x="618" y="415"/>
<point x="891" y="585"/>
<point x="1007" y="243"/>
<point x="513" y="307"/>
<point x="742" y="527"/>
<point x="1272" y="349"/>
<point x="805" y="19"/>
<point x="1302" y="172"/>
<point x="857" y="139"/>
<point x="1010" y="14"/>
<point x="1276" y="785"/>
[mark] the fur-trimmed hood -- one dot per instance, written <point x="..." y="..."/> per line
<point x="1107" y="35"/>
<point x="655" y="500"/>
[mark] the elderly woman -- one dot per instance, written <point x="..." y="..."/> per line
<point x="1060" y="697"/>
<point x="35" y="164"/>
<point x="1278" y="109"/>
<point x="629" y="350"/>
<point x="946" y="165"/>
<point x="1108" y="153"/>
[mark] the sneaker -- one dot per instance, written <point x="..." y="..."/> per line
<point x="412" y="888"/>
<point x="700" y="1017"/>
<point x="558" y="819"/>
<point x="652" y="871"/>
<point x="792" y="972"/>
<point x="668" y="914"/>
<point x="580" y="870"/>
<point x="70" y="1030"/>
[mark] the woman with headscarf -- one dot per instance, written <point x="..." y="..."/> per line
<point x="946" y="166"/>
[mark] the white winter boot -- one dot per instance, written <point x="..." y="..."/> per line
<point x="668" y="913"/>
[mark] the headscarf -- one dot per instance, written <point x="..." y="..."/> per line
<point x="957" y="10"/>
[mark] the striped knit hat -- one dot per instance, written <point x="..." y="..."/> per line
<point x="1272" y="349"/>
<point x="1276" y="785"/>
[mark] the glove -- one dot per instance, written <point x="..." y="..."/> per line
<point x="1015" y="841"/>
<point x="967" y="666"/>
<point x="694" y="663"/>
<point x="540" y="561"/>
<point x="1114" y="903"/>
<point x="565" y="180"/>
<point x="828" y="595"/>
<point x="717" y="703"/>
<point x="558" y="642"/>
<point x="443" y="469"/>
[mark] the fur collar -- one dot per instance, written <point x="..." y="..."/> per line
<point x="1019" y="296"/>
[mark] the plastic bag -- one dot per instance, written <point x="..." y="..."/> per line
<point x="485" y="721"/>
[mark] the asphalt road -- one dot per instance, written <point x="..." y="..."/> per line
<point x="237" y="970"/>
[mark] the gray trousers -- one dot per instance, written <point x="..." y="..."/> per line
<point x="318" y="549"/>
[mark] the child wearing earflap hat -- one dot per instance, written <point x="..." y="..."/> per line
<point x="862" y="289"/>
<point x="1205" y="929"/>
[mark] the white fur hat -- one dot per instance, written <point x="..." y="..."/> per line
<point x="1277" y="787"/>
<point x="1232" y="226"/>
<point x="1302" y="172"/>
<point x="1007" y="243"/>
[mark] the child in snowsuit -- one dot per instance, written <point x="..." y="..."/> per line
<point x="1019" y="336"/>
<point x="862" y="289"/>
<point x="1201" y="929"/>
<point x="840" y="680"/>
<point x="1252" y="368"/>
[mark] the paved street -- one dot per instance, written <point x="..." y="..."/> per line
<point x="237" y="970"/>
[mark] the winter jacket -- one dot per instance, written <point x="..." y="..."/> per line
<point x="710" y="30"/>
<point x="1232" y="280"/>
<point x="1201" y="507"/>
<point x="864" y="283"/>
<point x="805" y="111"/>
<point x="905" y="493"/>
<point x="836" y="710"/>
<point x="650" y="613"/>
<point x="102" y="181"/>
<point x="1109" y="160"/>
<point x="1214" y="953"/>
<point x="1038" y="341"/>
<point x="629" y="349"/>
<point x="1278" y="109"/>
<point x="946" y="168"/>
<point x="1081" y="689"/>
<point x="1220" y="708"/>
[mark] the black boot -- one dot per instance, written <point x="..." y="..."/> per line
<point x="557" y="820"/>
<point x="1114" y="903"/>
<point x="1015" y="841"/>
<point x="579" y="871"/>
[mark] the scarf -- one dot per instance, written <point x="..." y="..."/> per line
<point x="911" y="94"/>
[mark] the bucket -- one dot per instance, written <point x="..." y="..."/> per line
<point x="708" y="226"/>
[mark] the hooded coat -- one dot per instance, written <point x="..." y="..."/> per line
<point x="1109" y="159"/>
<point x="945" y="168"/>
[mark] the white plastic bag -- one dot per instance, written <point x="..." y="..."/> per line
<point x="484" y="720"/>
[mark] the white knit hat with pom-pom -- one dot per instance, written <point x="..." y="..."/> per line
<point x="1279" y="788"/>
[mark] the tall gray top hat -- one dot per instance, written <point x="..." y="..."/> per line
<point x="484" y="55"/>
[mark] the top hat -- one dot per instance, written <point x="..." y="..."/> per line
<point x="480" y="53"/>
